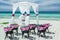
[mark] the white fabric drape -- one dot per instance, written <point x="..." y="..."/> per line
<point x="14" y="7"/>
<point x="22" y="17"/>
<point x="22" y="9"/>
<point x="23" y="6"/>
<point x="35" y="8"/>
<point x="27" y="19"/>
<point x="12" y="21"/>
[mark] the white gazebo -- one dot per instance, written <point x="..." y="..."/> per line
<point x="24" y="7"/>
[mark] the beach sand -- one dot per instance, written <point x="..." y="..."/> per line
<point x="55" y="28"/>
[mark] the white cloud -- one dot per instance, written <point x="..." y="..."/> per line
<point x="44" y="4"/>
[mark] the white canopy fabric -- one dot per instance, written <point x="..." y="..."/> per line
<point x="22" y="17"/>
<point x="35" y="8"/>
<point x="14" y="7"/>
<point x="24" y="7"/>
<point x="27" y="19"/>
<point x="12" y="21"/>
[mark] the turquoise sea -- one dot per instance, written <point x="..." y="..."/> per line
<point x="42" y="15"/>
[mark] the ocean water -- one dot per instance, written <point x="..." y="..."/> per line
<point x="44" y="15"/>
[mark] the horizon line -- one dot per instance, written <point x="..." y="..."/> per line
<point x="30" y="11"/>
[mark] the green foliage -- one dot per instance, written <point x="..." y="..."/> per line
<point x="5" y="22"/>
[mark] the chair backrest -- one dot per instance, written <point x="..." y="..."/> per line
<point x="6" y="29"/>
<point x="24" y="28"/>
<point x="14" y="25"/>
<point x="32" y="26"/>
<point x="46" y="25"/>
<point x="40" y="28"/>
<point x="11" y="28"/>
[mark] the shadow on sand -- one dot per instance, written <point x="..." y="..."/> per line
<point x="33" y="33"/>
<point x="18" y="34"/>
<point x="15" y="38"/>
<point x="47" y="37"/>
<point x="50" y="32"/>
<point x="30" y="38"/>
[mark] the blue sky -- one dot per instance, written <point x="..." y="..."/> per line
<point x="45" y="5"/>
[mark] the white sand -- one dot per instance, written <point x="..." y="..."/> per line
<point x="54" y="28"/>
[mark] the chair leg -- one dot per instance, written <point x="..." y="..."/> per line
<point x="39" y="34"/>
<point x="48" y="30"/>
<point x="17" y="31"/>
<point x="44" y="34"/>
<point x="30" y="31"/>
<point x="6" y="35"/>
<point x="28" y="34"/>
<point x="22" y="34"/>
<point x="34" y="30"/>
<point x="12" y="35"/>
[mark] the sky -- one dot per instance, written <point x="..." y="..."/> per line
<point x="45" y="5"/>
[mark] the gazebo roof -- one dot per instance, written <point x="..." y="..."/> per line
<point x="24" y="6"/>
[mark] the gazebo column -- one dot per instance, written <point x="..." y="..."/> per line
<point x="27" y="19"/>
<point x="35" y="8"/>
<point x="12" y="21"/>
<point x="14" y="7"/>
<point x="22" y="16"/>
<point x="37" y="19"/>
<point x="13" y="18"/>
<point x="23" y="20"/>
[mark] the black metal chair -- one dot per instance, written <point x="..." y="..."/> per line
<point x="25" y="29"/>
